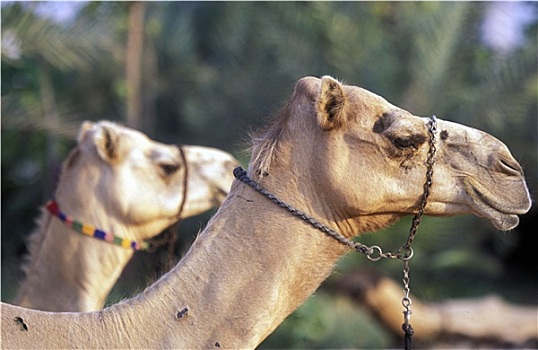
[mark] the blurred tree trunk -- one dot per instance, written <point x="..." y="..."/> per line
<point x="133" y="63"/>
<point x="150" y="72"/>
<point x="476" y="319"/>
<point x="50" y="114"/>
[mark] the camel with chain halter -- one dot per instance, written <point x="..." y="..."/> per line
<point x="340" y="154"/>
<point x="122" y="188"/>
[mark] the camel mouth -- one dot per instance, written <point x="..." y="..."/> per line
<point x="219" y="195"/>
<point x="221" y="188"/>
<point x="222" y="193"/>
<point x="503" y="216"/>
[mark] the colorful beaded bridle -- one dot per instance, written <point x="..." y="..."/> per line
<point x="91" y="231"/>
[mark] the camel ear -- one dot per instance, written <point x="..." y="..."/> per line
<point x="331" y="104"/>
<point x="83" y="131"/>
<point x="104" y="137"/>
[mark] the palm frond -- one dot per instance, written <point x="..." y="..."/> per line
<point x="82" y="44"/>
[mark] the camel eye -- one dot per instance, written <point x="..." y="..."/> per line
<point x="169" y="169"/>
<point x="402" y="143"/>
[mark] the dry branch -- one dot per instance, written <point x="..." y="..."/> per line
<point x="488" y="317"/>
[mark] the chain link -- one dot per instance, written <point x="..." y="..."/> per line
<point x="427" y="185"/>
<point x="406" y="301"/>
<point x="408" y="251"/>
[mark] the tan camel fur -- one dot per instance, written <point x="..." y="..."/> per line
<point x="120" y="181"/>
<point x="341" y="154"/>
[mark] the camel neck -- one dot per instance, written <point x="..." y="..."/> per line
<point x="252" y="266"/>
<point x="85" y="268"/>
<point x="243" y="276"/>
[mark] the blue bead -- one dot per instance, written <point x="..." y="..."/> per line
<point x="99" y="234"/>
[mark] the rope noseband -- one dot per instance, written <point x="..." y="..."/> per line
<point x="373" y="253"/>
<point x="170" y="236"/>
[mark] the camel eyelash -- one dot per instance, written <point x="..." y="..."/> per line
<point x="414" y="141"/>
<point x="403" y="143"/>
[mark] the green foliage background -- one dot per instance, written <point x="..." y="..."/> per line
<point x="214" y="70"/>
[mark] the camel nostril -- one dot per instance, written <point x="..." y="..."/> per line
<point x="509" y="167"/>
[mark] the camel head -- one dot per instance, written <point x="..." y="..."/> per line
<point x="133" y="182"/>
<point x="364" y="160"/>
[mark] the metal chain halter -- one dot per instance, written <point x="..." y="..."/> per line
<point x="373" y="253"/>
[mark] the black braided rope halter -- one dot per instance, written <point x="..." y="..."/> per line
<point x="373" y="253"/>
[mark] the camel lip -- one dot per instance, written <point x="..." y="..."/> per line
<point x="223" y="192"/>
<point x="485" y="198"/>
<point x="220" y="194"/>
<point x="503" y="218"/>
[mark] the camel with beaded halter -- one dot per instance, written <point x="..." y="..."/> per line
<point x="123" y="188"/>
<point x="340" y="153"/>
